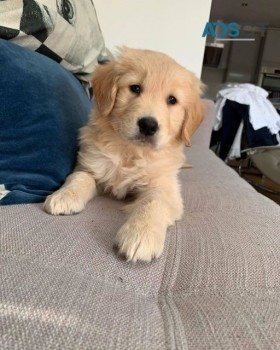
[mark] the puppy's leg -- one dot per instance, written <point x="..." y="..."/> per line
<point x="142" y="236"/>
<point x="78" y="189"/>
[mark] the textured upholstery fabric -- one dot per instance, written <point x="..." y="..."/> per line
<point x="215" y="287"/>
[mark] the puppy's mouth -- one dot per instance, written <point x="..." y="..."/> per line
<point x="145" y="140"/>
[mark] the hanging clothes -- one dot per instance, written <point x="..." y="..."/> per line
<point x="235" y="120"/>
<point x="261" y="112"/>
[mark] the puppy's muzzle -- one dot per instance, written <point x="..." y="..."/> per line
<point x="148" y="126"/>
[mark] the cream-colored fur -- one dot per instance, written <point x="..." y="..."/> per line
<point x="116" y="158"/>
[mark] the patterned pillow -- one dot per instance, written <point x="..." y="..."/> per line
<point x="65" y="30"/>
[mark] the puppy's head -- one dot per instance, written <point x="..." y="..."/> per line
<point x="147" y="98"/>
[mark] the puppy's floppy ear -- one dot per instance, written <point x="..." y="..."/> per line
<point x="105" y="87"/>
<point x="194" y="115"/>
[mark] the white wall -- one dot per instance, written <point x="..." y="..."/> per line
<point x="171" y="26"/>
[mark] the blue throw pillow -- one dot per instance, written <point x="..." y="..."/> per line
<point x="42" y="106"/>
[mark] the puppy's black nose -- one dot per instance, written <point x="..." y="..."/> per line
<point x="148" y="126"/>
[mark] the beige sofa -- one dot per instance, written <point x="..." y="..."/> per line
<point x="217" y="285"/>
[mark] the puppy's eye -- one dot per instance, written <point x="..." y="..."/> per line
<point x="136" y="89"/>
<point x="171" y="100"/>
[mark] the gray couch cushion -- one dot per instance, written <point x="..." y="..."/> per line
<point x="215" y="287"/>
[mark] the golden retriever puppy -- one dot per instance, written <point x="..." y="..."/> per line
<point x="147" y="107"/>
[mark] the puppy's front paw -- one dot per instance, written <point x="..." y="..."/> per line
<point x="64" y="202"/>
<point x="140" y="242"/>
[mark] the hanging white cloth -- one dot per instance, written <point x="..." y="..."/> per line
<point x="261" y="111"/>
<point x="235" y="150"/>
